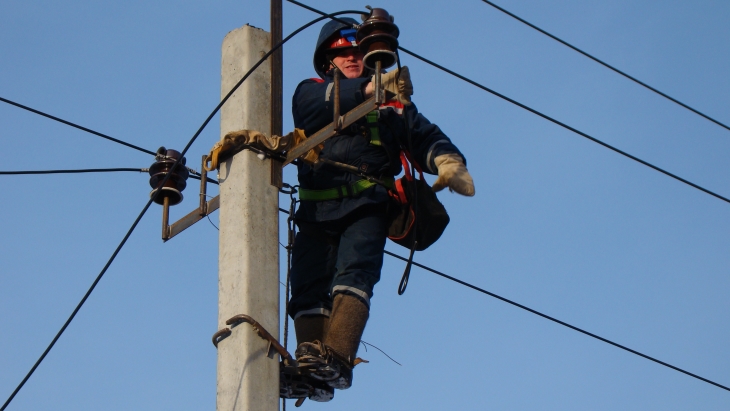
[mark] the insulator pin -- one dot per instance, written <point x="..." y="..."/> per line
<point x="174" y="186"/>
<point x="377" y="37"/>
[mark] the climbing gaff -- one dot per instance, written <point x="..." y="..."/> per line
<point x="377" y="38"/>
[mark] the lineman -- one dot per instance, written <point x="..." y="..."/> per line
<point x="343" y="219"/>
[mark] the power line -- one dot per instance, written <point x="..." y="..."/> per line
<point x="520" y="305"/>
<point x="606" y="64"/>
<point x="88" y="130"/>
<point x="572" y="327"/>
<point x="531" y="110"/>
<point x="83" y="300"/>
<point x="87" y="170"/>
<point x="193" y="174"/>
<point x="208" y="179"/>
<point x="149" y="202"/>
<point x="561" y="124"/>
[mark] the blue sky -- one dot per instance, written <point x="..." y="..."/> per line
<point x="559" y="223"/>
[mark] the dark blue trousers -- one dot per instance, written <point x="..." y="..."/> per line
<point x="340" y="256"/>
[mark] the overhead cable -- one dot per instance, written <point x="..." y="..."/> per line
<point x="149" y="202"/>
<point x="83" y="300"/>
<point x="635" y="80"/>
<point x="572" y="327"/>
<point x="520" y="305"/>
<point x="208" y="179"/>
<point x="580" y="330"/>
<point x="193" y="174"/>
<point x="531" y="110"/>
<point x="580" y="133"/>
<point x="86" y="170"/>
<point x="76" y="126"/>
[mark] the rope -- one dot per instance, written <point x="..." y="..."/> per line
<point x="291" y="232"/>
<point x="414" y="192"/>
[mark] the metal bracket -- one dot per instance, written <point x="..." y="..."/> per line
<point x="336" y="119"/>
<point x="331" y="129"/>
<point x="277" y="175"/>
<point x="378" y="86"/>
<point x="261" y="331"/>
<point x="204" y="209"/>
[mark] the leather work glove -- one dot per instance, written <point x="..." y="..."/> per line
<point x="276" y="144"/>
<point x="453" y="174"/>
<point x="401" y="85"/>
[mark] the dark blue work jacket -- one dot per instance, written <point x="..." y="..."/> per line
<point x="312" y="107"/>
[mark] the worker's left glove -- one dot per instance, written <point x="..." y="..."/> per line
<point x="398" y="84"/>
<point x="275" y="144"/>
<point x="453" y="174"/>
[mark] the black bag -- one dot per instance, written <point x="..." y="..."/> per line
<point x="423" y="218"/>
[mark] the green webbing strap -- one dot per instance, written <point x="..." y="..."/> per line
<point x="372" y="118"/>
<point x="347" y="190"/>
<point x="350" y="190"/>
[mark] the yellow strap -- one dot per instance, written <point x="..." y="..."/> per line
<point x="211" y="162"/>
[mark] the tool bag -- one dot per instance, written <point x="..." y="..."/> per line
<point x="416" y="214"/>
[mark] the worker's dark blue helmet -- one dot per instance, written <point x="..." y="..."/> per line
<point x="335" y="35"/>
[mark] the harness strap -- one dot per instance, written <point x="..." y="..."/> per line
<point x="372" y="118"/>
<point x="336" y="193"/>
<point x="400" y="191"/>
<point x="405" y="158"/>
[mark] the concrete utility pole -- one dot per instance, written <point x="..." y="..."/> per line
<point x="248" y="261"/>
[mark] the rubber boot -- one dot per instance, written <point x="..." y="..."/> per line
<point x="311" y="328"/>
<point x="347" y="323"/>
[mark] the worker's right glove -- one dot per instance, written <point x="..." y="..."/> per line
<point x="400" y="85"/>
<point x="453" y="174"/>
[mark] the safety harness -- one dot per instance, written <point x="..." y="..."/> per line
<point x="372" y="118"/>
<point x="343" y="191"/>
<point x="357" y="187"/>
<point x="417" y="217"/>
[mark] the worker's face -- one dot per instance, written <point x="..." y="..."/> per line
<point x="349" y="61"/>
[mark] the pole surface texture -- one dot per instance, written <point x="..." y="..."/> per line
<point x="248" y="261"/>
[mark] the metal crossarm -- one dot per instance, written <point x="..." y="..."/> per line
<point x="331" y="129"/>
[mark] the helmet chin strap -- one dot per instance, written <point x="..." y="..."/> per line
<point x="332" y="66"/>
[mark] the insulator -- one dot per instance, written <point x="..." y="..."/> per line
<point x="377" y="38"/>
<point x="174" y="186"/>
